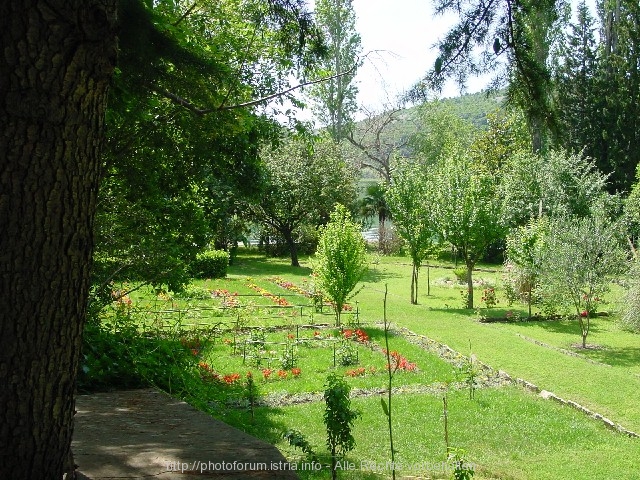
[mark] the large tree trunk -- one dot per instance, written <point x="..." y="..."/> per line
<point x="57" y="57"/>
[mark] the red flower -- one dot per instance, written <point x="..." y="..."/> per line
<point x="347" y="333"/>
<point x="282" y="374"/>
<point x="295" y="372"/>
<point x="231" y="378"/>
<point x="584" y="313"/>
<point x="266" y="373"/>
<point x="291" y="336"/>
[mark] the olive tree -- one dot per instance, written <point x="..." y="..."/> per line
<point x="580" y="257"/>
<point x="341" y="258"/>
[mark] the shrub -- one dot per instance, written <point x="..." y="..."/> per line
<point x="461" y="275"/>
<point x="210" y="264"/>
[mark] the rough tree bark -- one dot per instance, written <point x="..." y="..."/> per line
<point x="56" y="59"/>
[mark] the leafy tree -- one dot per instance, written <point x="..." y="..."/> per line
<point x="466" y="210"/>
<point x="53" y="123"/>
<point x="575" y="79"/>
<point x="335" y="100"/>
<point x="553" y="184"/>
<point x="341" y="259"/>
<point x="632" y="211"/>
<point x="505" y="135"/>
<point x="305" y="179"/>
<point x="441" y="133"/>
<point x="619" y="108"/>
<point x="408" y="199"/>
<point x="580" y="257"/>
<point x="604" y="125"/>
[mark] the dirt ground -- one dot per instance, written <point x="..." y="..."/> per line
<point x="148" y="434"/>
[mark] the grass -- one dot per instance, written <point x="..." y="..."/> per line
<point x="508" y="432"/>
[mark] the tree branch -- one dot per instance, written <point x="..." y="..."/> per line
<point x="203" y="111"/>
<point x="185" y="14"/>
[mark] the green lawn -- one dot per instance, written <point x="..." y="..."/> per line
<point x="507" y="432"/>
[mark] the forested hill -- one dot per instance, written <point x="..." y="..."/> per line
<point x="376" y="138"/>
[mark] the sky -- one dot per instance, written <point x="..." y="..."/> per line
<point x="404" y="31"/>
<point x="400" y="35"/>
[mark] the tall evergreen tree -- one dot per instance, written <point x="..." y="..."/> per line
<point x="576" y="98"/>
<point x="619" y="84"/>
<point x="335" y="99"/>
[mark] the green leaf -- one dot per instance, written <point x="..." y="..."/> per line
<point x="496" y="46"/>
<point x="438" y="65"/>
<point x="385" y="408"/>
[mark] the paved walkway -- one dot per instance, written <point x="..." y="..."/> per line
<point x="148" y="434"/>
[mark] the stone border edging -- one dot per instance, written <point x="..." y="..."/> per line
<point x="448" y="354"/>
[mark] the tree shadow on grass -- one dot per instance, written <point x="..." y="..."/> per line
<point x="248" y="266"/>
<point x="564" y="326"/>
<point x="614" y="356"/>
<point x="375" y="275"/>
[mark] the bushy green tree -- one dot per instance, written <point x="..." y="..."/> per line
<point x="306" y="177"/>
<point x="581" y="255"/>
<point x="466" y="210"/>
<point x="553" y="184"/>
<point x="341" y="259"/>
<point x="408" y="197"/>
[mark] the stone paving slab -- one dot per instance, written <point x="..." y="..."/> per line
<point x="148" y="434"/>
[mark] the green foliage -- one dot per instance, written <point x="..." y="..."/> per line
<point x="335" y="100"/>
<point x="306" y="178"/>
<point x="182" y="140"/>
<point x="510" y="41"/>
<point x="116" y="355"/>
<point x="580" y="257"/>
<point x="298" y="440"/>
<point x="461" y="274"/>
<point x="466" y="210"/>
<point x="630" y="302"/>
<point x="462" y="470"/>
<point x="210" y="264"/>
<point x="339" y="418"/>
<point x="340" y="259"/>
<point x="602" y="54"/>
<point x="525" y="250"/>
<point x="632" y="208"/>
<point x="408" y="199"/>
<point x="555" y="183"/>
<point x="347" y="353"/>
<point x="441" y="134"/>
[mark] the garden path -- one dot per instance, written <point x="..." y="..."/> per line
<point x="148" y="434"/>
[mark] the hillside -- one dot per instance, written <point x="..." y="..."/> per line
<point x="391" y="131"/>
